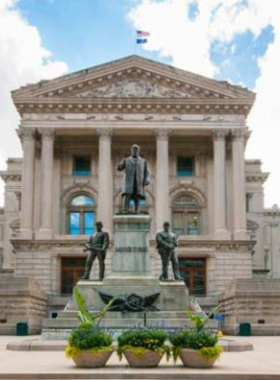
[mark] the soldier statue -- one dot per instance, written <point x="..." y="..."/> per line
<point x="166" y="244"/>
<point x="136" y="177"/>
<point x="97" y="246"/>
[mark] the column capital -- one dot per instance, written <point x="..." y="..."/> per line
<point x="26" y="133"/>
<point x="104" y="132"/>
<point x="162" y="133"/>
<point x="220" y="134"/>
<point x="239" y="134"/>
<point x="47" y="133"/>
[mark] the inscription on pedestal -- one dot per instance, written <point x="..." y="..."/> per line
<point x="131" y="245"/>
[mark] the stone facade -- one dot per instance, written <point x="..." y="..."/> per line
<point x="254" y="301"/>
<point x="21" y="300"/>
<point x="99" y="112"/>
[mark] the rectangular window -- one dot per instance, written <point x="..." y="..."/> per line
<point x="185" y="166"/>
<point x="89" y="223"/>
<point x="74" y="227"/>
<point x="82" y="165"/>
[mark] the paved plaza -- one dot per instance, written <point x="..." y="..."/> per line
<point x="261" y="363"/>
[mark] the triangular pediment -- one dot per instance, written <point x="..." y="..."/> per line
<point x="132" y="77"/>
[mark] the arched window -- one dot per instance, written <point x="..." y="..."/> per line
<point x="186" y="215"/>
<point x="81" y="215"/>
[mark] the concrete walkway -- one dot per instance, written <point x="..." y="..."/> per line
<point x="261" y="363"/>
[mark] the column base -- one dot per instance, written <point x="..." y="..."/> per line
<point x="44" y="233"/>
<point x="26" y="233"/>
<point x="222" y="235"/>
<point x="241" y="235"/>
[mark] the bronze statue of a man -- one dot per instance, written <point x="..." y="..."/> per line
<point x="97" y="246"/>
<point x="136" y="177"/>
<point x="166" y="244"/>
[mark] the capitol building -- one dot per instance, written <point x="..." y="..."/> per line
<point x="193" y="132"/>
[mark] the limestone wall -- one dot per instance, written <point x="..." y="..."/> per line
<point x="255" y="301"/>
<point x="21" y="300"/>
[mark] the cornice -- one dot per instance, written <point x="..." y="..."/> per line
<point x="216" y="245"/>
<point x="134" y="105"/>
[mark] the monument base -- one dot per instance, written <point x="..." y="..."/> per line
<point x="173" y="294"/>
<point x="171" y="304"/>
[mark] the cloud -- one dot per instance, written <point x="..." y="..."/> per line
<point x="188" y="40"/>
<point x="23" y="59"/>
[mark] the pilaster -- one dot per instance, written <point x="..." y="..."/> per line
<point x="27" y="136"/>
<point x="105" y="179"/>
<point x="162" y="177"/>
<point x="220" y="209"/>
<point x="238" y="182"/>
<point x="47" y="136"/>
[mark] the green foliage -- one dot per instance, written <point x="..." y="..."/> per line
<point x="191" y="339"/>
<point x="88" y="339"/>
<point x="210" y="353"/>
<point x="142" y="340"/>
<point x="86" y="318"/>
<point x="73" y="352"/>
<point x="198" y="321"/>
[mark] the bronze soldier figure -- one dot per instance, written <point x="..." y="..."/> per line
<point x="97" y="245"/>
<point x="136" y="177"/>
<point x="166" y="244"/>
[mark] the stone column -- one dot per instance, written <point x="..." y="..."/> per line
<point x="238" y="184"/>
<point x="105" y="179"/>
<point x="220" y="207"/>
<point x="162" y="178"/>
<point x="27" y="189"/>
<point x="45" y="230"/>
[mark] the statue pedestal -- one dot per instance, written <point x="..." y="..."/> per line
<point x="131" y="245"/>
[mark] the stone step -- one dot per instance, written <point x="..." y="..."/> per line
<point x="116" y="323"/>
<point x="7" y="329"/>
<point x="161" y="373"/>
<point x="113" y="314"/>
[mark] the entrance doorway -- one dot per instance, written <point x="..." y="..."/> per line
<point x="72" y="269"/>
<point x="193" y="271"/>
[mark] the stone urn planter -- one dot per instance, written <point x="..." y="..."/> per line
<point x="149" y="359"/>
<point x="192" y="358"/>
<point x="88" y="359"/>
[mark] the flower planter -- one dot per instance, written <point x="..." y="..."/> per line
<point x="148" y="359"/>
<point x="192" y="358"/>
<point x="89" y="359"/>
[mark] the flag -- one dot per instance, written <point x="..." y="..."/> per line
<point x="141" y="37"/>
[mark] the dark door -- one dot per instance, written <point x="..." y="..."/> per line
<point x="72" y="269"/>
<point x="193" y="272"/>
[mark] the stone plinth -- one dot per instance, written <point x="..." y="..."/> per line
<point x="131" y="245"/>
<point x="21" y="300"/>
<point x="255" y="301"/>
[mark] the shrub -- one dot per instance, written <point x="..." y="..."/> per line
<point x="202" y="341"/>
<point x="142" y="340"/>
<point x="94" y="340"/>
<point x="193" y="339"/>
<point x="211" y="352"/>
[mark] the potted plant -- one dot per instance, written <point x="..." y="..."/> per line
<point x="143" y="347"/>
<point x="198" y="347"/>
<point x="88" y="345"/>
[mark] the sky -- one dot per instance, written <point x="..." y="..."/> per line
<point x="233" y="40"/>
